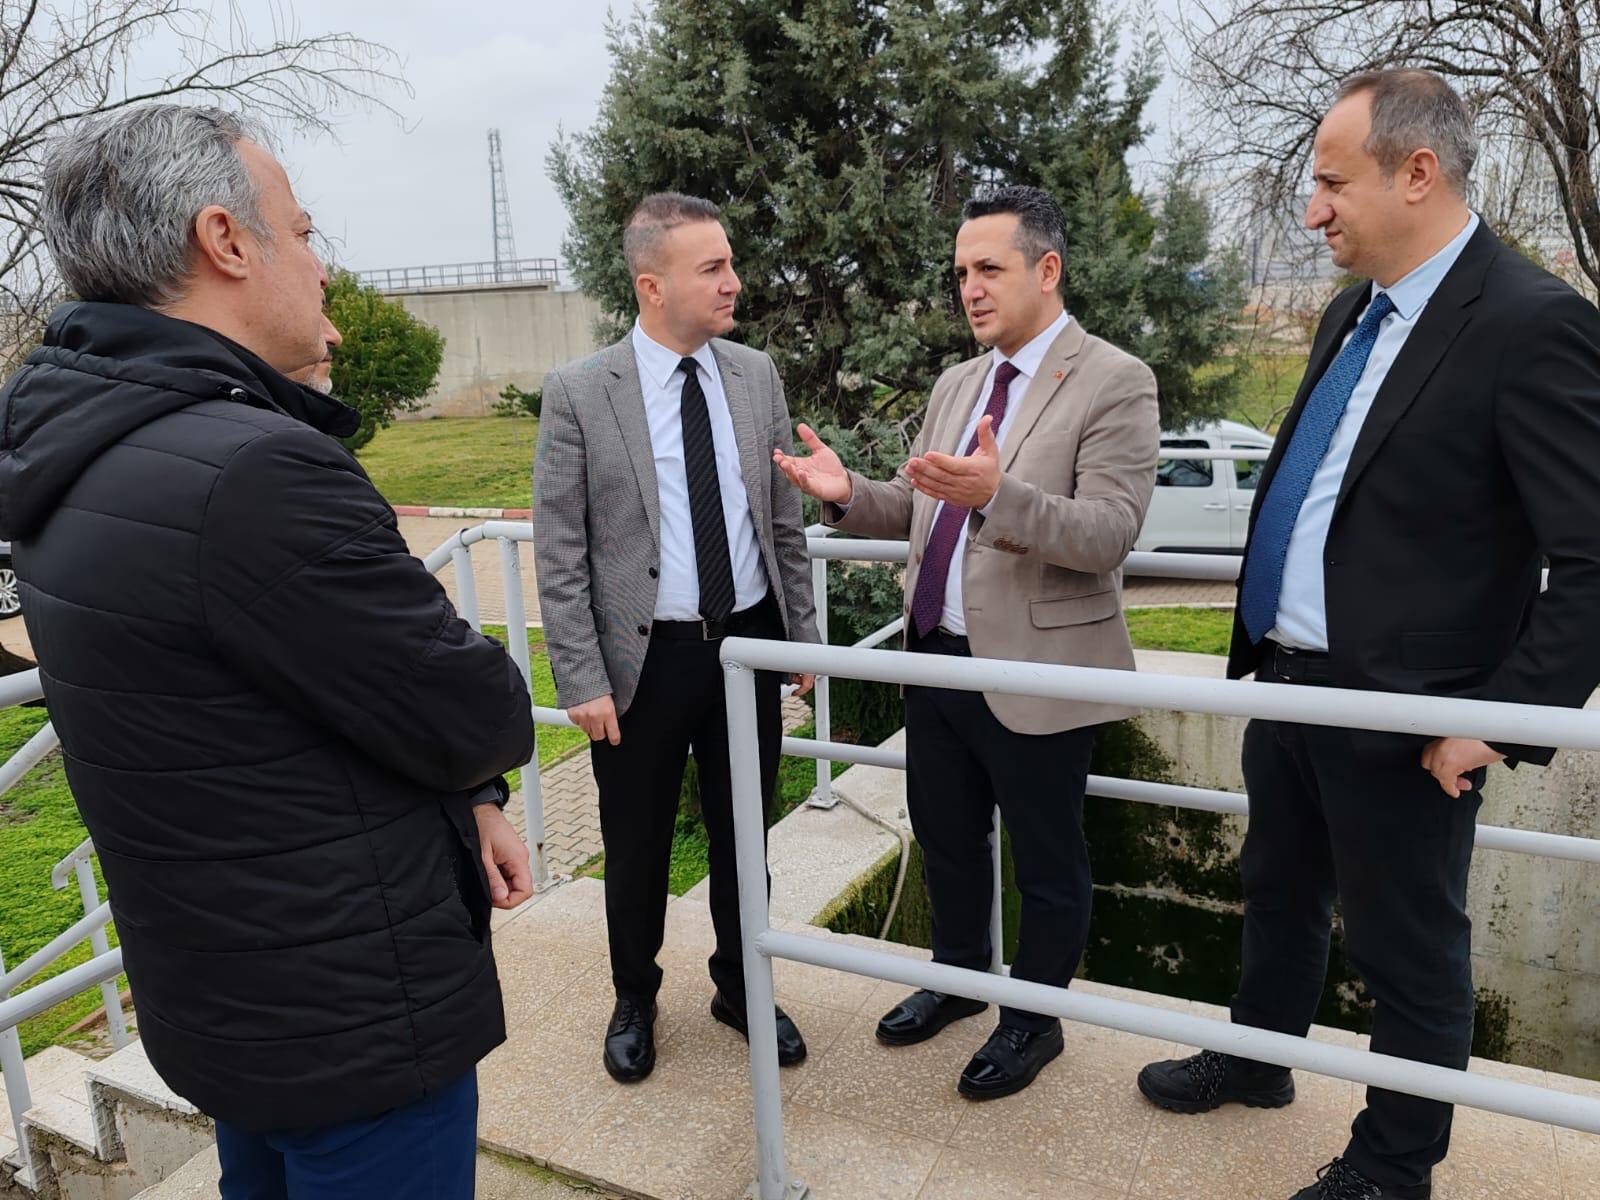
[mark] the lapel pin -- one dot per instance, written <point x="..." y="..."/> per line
<point x="1060" y="375"/>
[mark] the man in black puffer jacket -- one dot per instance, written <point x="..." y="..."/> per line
<point x="279" y="733"/>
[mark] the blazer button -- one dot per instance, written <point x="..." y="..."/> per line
<point x="644" y="631"/>
<point x="654" y="573"/>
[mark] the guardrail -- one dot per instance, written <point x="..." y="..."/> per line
<point x="454" y="275"/>
<point x="1435" y="716"/>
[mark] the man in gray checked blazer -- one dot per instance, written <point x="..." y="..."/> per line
<point x="661" y="526"/>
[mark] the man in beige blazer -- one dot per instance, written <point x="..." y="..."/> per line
<point x="1022" y="497"/>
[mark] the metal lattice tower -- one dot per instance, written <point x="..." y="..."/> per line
<point x="505" y="242"/>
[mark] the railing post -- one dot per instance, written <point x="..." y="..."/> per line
<point x="15" y="1073"/>
<point x="997" y="923"/>
<point x="467" y="586"/>
<point x="517" y="639"/>
<point x="89" y="892"/>
<point x="822" y="797"/>
<point x="750" y="858"/>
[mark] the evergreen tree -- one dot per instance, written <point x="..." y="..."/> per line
<point x="841" y="137"/>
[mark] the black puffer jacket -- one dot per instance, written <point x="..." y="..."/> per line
<point x="272" y="720"/>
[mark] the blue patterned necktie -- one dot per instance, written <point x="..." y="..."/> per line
<point x="1280" y="508"/>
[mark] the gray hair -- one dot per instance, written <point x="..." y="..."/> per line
<point x="1041" y="226"/>
<point x="121" y="193"/>
<point x="652" y="219"/>
<point x="1412" y="110"/>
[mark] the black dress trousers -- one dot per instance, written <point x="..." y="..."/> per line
<point x="679" y="706"/>
<point x="1394" y="850"/>
<point x="961" y="762"/>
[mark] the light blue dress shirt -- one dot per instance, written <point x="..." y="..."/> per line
<point x="678" y="589"/>
<point x="1302" y="604"/>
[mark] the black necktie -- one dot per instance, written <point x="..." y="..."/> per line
<point x="711" y="559"/>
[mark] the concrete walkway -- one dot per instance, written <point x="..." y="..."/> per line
<point x="868" y="1123"/>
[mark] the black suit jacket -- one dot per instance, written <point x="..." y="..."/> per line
<point x="1480" y="454"/>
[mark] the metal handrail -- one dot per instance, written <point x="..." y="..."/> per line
<point x="452" y="275"/>
<point x="61" y="944"/>
<point x="1432" y="715"/>
<point x="45" y="996"/>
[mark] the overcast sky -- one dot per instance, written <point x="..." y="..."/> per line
<point x="392" y="194"/>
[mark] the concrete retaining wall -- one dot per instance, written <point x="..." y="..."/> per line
<point x="499" y="335"/>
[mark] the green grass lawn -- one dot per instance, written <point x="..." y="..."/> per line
<point x="468" y="462"/>
<point x="1266" y="386"/>
<point x="1193" y="630"/>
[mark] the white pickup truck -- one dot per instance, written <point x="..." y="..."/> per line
<point x="1204" y="504"/>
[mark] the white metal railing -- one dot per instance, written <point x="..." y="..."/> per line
<point x="1431" y="715"/>
<point x="23" y="688"/>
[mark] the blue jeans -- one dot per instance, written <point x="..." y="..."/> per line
<point x="425" y="1151"/>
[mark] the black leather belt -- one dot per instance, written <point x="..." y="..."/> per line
<point x="1298" y="666"/>
<point x="942" y="641"/>
<point x="733" y="625"/>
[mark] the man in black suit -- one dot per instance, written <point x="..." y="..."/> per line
<point x="1445" y="438"/>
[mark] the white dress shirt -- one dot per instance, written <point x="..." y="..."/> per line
<point x="1302" y="604"/>
<point x="678" y="589"/>
<point x="1026" y="361"/>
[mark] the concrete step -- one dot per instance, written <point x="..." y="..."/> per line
<point x="499" y="1178"/>
<point x="55" y="1080"/>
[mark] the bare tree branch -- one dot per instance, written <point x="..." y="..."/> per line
<point x="64" y="60"/>
<point x="1264" y="72"/>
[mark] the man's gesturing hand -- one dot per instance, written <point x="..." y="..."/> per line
<point x="821" y="475"/>
<point x="970" y="481"/>
<point x="597" y="718"/>
<point x="1450" y="759"/>
<point x="505" y="857"/>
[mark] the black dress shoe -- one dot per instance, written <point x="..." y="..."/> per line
<point x="1008" y="1062"/>
<point x="922" y="1014"/>
<point x="791" y="1046"/>
<point x="1209" y="1080"/>
<point x="631" y="1042"/>
<point x="1340" y="1181"/>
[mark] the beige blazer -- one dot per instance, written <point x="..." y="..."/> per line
<point x="1042" y="573"/>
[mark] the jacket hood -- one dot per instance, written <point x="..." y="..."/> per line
<point x="105" y="370"/>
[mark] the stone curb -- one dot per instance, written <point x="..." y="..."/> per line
<point x="488" y="514"/>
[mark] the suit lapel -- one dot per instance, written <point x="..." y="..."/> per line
<point x="959" y="410"/>
<point x="1054" y="371"/>
<point x="946" y="421"/>
<point x="627" y="405"/>
<point x="736" y="389"/>
<point x="1441" y="321"/>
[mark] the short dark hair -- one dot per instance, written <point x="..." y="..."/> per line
<point x="1413" y="109"/>
<point x="652" y="218"/>
<point x="1041" y="227"/>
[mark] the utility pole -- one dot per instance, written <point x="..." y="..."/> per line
<point x="505" y="243"/>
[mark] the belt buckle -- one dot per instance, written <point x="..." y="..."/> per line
<point x="712" y="630"/>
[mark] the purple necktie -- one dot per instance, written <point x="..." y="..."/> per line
<point x="928" y="603"/>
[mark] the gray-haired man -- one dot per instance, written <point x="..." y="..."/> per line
<point x="277" y="730"/>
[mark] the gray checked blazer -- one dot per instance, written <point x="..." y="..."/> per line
<point x="597" y="514"/>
